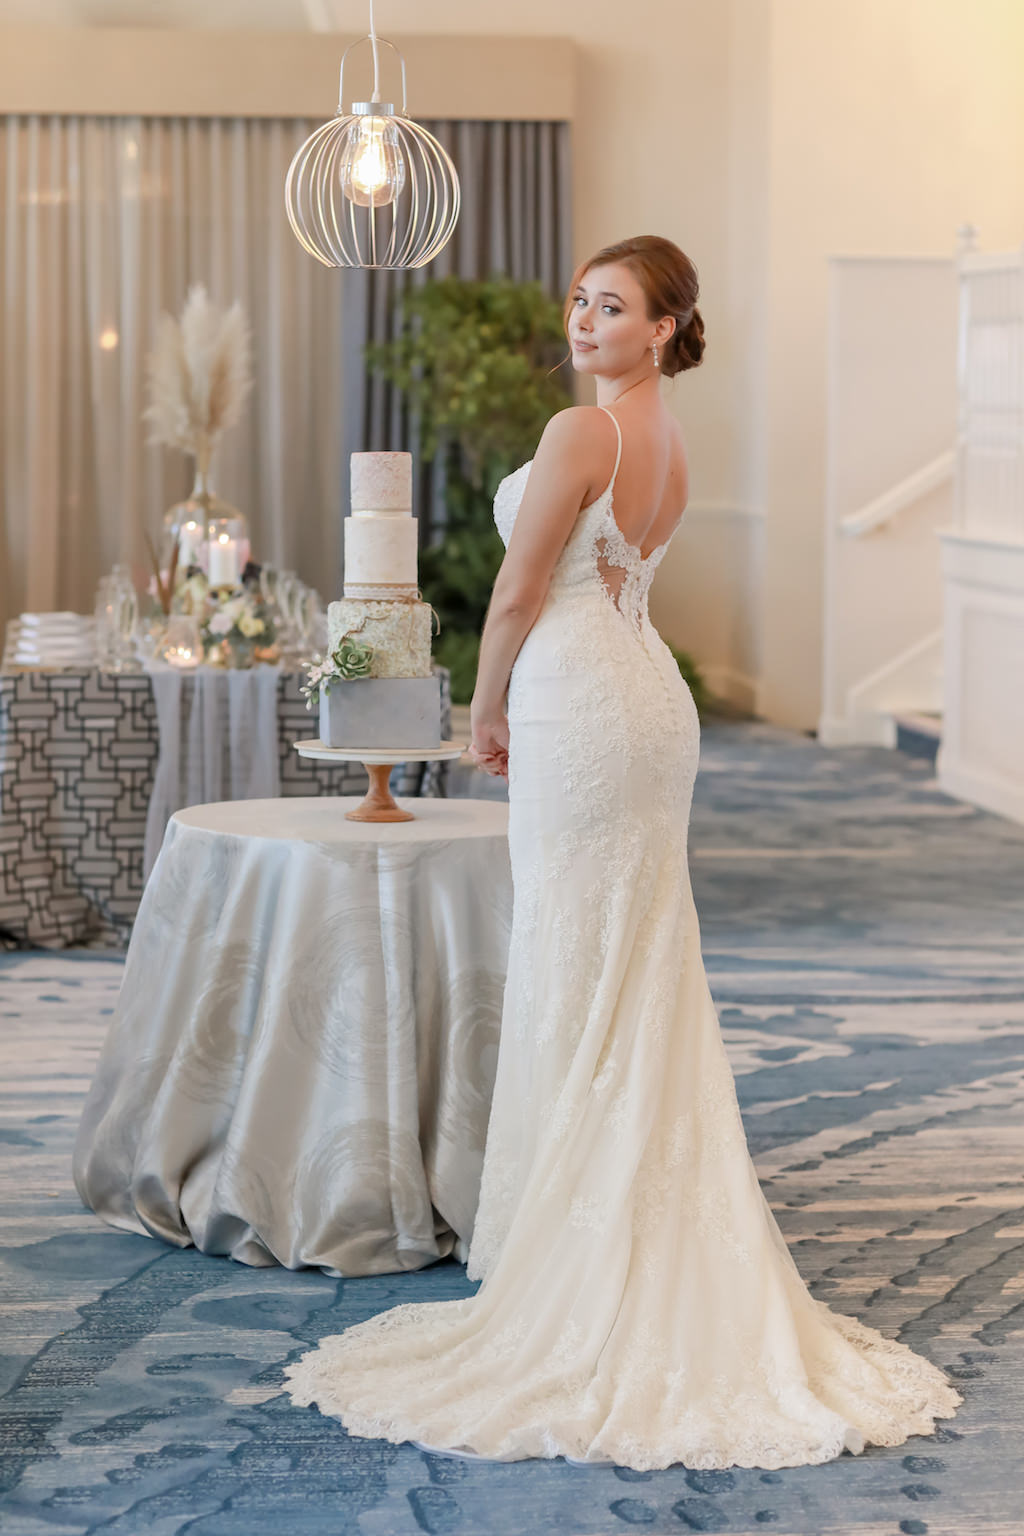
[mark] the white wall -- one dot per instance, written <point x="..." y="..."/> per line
<point x="890" y="125"/>
<point x="763" y="136"/>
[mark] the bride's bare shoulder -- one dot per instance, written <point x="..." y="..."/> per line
<point x="578" y="446"/>
<point x="575" y="427"/>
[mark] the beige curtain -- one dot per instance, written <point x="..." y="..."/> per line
<point x="106" y="221"/>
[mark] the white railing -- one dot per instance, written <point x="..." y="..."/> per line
<point x="890" y="473"/>
<point x="910" y="681"/>
<point x="875" y="514"/>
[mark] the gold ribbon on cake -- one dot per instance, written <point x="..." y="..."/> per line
<point x="437" y="620"/>
<point x="380" y="591"/>
<point x="356" y="594"/>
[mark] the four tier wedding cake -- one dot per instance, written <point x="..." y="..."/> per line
<point x="398" y="702"/>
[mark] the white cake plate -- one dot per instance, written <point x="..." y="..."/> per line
<point x="379" y="804"/>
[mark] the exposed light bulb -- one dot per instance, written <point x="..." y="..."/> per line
<point x="372" y="166"/>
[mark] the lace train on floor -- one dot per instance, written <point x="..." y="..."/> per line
<point x="392" y="1378"/>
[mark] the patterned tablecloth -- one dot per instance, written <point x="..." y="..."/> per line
<point x="78" y="760"/>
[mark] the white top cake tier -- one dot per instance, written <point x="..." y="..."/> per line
<point x="381" y="482"/>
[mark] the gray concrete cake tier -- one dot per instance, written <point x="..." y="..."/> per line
<point x="381" y="712"/>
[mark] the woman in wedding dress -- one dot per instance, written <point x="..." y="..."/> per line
<point x="639" y="1304"/>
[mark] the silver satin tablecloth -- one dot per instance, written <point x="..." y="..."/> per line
<point x="300" y="1066"/>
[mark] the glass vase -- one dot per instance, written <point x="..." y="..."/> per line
<point x="187" y="525"/>
<point x="116" y="615"/>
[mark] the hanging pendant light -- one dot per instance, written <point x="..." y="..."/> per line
<point x="371" y="188"/>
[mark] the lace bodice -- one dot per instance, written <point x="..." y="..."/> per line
<point x="597" y="555"/>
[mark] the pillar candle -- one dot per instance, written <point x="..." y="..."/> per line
<point x="191" y="536"/>
<point x="223" y="566"/>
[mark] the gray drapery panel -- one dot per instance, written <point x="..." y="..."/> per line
<point x="516" y="221"/>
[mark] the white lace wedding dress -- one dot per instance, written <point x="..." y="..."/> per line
<point x="639" y="1303"/>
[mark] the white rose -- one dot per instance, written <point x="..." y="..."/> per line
<point x="234" y="608"/>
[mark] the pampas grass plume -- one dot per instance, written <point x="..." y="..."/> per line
<point x="199" y="374"/>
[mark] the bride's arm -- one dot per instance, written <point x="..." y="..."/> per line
<point x="559" y="484"/>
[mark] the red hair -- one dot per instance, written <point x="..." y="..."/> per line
<point x="669" y="280"/>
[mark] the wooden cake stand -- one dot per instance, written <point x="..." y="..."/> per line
<point x="379" y="804"/>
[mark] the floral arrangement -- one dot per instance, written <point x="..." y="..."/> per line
<point x="351" y="658"/>
<point x="199" y="372"/>
<point x="234" y="629"/>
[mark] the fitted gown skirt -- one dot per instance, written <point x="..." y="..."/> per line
<point x="638" y="1302"/>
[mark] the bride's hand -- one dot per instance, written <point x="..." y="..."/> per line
<point x="488" y="747"/>
<point x="495" y="766"/>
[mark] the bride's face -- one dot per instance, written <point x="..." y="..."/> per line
<point x="609" y="328"/>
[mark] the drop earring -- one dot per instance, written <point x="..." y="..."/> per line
<point x="654" y="349"/>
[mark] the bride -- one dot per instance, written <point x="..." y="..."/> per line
<point x="639" y="1304"/>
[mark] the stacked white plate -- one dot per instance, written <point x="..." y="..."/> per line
<point x="52" y="640"/>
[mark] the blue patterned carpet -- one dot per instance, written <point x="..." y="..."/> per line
<point x="863" y="936"/>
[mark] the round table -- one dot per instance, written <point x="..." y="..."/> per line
<point x="300" y="1066"/>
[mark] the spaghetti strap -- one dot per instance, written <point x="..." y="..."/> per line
<point x="618" y="454"/>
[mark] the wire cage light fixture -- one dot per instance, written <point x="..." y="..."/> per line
<point x="372" y="188"/>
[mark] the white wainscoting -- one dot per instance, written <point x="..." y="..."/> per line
<point x="981" y="757"/>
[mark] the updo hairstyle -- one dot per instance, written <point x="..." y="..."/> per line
<point x="669" y="280"/>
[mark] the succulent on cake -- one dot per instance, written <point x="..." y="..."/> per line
<point x="353" y="658"/>
<point x="350" y="659"/>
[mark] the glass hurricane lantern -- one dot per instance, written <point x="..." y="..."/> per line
<point x="187" y="525"/>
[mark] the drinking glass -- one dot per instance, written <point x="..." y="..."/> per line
<point x="312" y="625"/>
<point x="288" y="592"/>
<point x="125" y="604"/>
<point x="104" y="611"/>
